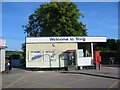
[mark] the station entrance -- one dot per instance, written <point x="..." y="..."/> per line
<point x="60" y="52"/>
<point x="71" y="59"/>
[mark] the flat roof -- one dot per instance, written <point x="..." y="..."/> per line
<point x="64" y="39"/>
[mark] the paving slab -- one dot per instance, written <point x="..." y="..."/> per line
<point x="105" y="71"/>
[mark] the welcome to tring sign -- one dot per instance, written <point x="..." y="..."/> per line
<point x="65" y="39"/>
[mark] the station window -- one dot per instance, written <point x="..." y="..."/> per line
<point x="49" y="56"/>
<point x="35" y="55"/>
<point x="64" y="56"/>
<point x="84" y="50"/>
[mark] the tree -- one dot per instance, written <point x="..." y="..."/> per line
<point x="110" y="46"/>
<point x="23" y="62"/>
<point x="56" y="19"/>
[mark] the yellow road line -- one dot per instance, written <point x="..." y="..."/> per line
<point x="71" y="82"/>
<point x="114" y="84"/>
<point x="47" y="77"/>
<point x="11" y="84"/>
<point x="44" y="78"/>
<point x="36" y="81"/>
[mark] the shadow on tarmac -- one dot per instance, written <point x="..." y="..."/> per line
<point x="111" y="65"/>
<point x="92" y="75"/>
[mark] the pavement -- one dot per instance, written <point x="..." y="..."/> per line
<point x="106" y="71"/>
<point x="107" y="77"/>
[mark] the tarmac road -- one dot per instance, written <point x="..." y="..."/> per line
<point x="18" y="78"/>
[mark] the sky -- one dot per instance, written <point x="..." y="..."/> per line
<point x="101" y="19"/>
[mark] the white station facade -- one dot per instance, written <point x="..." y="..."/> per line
<point x="60" y="52"/>
<point x="2" y="54"/>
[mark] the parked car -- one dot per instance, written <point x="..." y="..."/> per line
<point x="111" y="60"/>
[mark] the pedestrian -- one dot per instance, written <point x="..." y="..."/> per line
<point x="99" y="62"/>
<point x="111" y="60"/>
<point x="8" y="67"/>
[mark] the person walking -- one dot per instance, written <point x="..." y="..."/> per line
<point x="99" y="62"/>
<point x="7" y="67"/>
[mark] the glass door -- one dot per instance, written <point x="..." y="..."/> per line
<point x="71" y="58"/>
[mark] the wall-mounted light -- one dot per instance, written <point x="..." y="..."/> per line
<point x="53" y="44"/>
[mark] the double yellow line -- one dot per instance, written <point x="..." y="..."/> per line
<point x="21" y="78"/>
<point x="65" y="84"/>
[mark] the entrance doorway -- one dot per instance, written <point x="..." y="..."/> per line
<point x="71" y="59"/>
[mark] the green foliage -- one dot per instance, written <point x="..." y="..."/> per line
<point x="112" y="45"/>
<point x="8" y="53"/>
<point x="23" y="47"/>
<point x="56" y="19"/>
<point x="103" y="49"/>
<point x="13" y="53"/>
